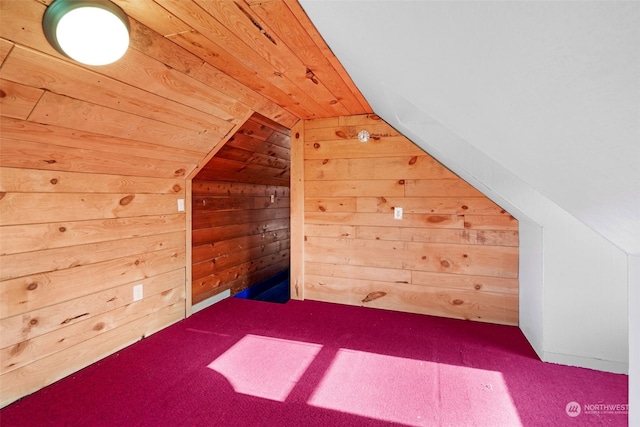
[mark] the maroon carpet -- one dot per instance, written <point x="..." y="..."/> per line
<point x="252" y="363"/>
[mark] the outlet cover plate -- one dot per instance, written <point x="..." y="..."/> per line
<point x="397" y="213"/>
<point x="137" y="293"/>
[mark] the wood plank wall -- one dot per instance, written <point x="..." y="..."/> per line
<point x="240" y="236"/>
<point x="73" y="245"/>
<point x="454" y="253"/>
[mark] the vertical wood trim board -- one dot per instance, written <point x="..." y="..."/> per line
<point x="454" y="253"/>
<point x="297" y="212"/>
<point x="188" y="205"/>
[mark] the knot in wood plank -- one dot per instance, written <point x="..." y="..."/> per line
<point x="18" y="348"/>
<point x="71" y="319"/>
<point x="126" y="200"/>
<point x="374" y="296"/>
<point x="435" y="219"/>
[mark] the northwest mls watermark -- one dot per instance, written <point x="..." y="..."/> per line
<point x="573" y="409"/>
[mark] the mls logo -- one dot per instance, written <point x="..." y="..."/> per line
<point x="573" y="409"/>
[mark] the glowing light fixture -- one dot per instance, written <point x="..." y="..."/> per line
<point x="94" y="32"/>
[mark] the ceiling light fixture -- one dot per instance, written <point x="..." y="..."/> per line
<point x="93" y="32"/>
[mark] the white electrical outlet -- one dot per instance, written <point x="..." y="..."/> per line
<point x="180" y="205"/>
<point x="137" y="293"/>
<point x="273" y="198"/>
<point x="397" y="213"/>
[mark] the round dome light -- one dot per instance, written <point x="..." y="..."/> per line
<point x="91" y="32"/>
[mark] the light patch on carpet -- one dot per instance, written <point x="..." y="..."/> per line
<point x="413" y="392"/>
<point x="265" y="367"/>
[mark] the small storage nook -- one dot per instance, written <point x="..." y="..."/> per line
<point x="241" y="211"/>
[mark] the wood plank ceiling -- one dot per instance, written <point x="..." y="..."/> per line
<point x="258" y="153"/>
<point x="194" y="72"/>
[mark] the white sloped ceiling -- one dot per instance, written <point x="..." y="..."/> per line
<point x="547" y="91"/>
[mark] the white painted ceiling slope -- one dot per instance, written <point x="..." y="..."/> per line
<point x="547" y="93"/>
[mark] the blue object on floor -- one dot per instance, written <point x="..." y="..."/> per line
<point x="274" y="289"/>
